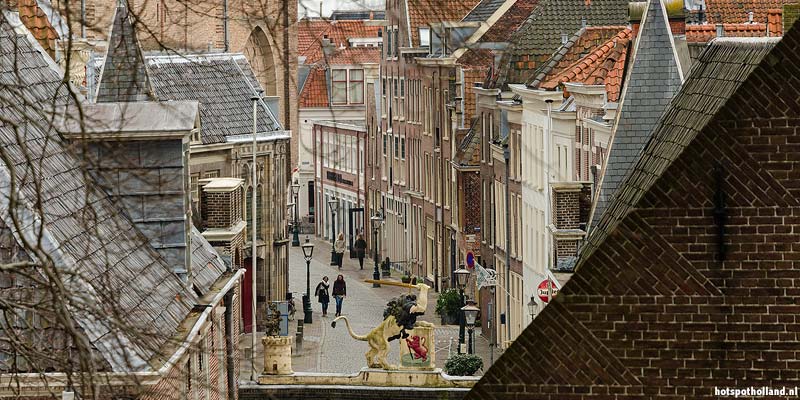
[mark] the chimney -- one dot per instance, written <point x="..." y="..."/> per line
<point x="328" y="47"/>
<point x="749" y="17"/>
<point x="635" y="13"/>
<point x="720" y="30"/>
<point x="141" y="161"/>
<point x="564" y="38"/>
<point x="676" y="14"/>
<point x="222" y="210"/>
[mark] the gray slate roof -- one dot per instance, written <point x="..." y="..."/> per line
<point x="539" y="36"/>
<point x="483" y="10"/>
<point x="124" y="76"/>
<point x="131" y="118"/>
<point x="207" y="264"/>
<point x="222" y="83"/>
<point x="654" y="77"/>
<point x="85" y="234"/>
<point x="716" y="76"/>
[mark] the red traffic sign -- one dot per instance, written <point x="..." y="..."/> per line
<point x="470" y="260"/>
<point x="544" y="291"/>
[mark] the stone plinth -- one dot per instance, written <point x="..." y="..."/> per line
<point x="277" y="355"/>
<point x="374" y="377"/>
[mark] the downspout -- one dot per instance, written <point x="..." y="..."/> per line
<point x="507" y="159"/>
<point x="548" y="217"/>
<point x="225" y="24"/>
<point x="229" y="345"/>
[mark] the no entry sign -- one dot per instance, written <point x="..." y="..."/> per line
<point x="545" y="289"/>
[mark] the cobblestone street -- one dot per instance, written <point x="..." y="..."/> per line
<point x="326" y="349"/>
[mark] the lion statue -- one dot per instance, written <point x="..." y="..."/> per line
<point x="399" y="316"/>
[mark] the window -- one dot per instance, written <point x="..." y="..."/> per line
<point x="424" y="37"/>
<point x="194" y="179"/>
<point x="356" y="86"/>
<point x="211" y="174"/>
<point x="339" y="86"/>
<point x="389" y="43"/>
<point x="396" y="146"/>
<point x="403" y="148"/>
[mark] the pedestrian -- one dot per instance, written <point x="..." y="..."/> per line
<point x="361" y="249"/>
<point x="338" y="248"/>
<point x="339" y="293"/>
<point x="322" y="294"/>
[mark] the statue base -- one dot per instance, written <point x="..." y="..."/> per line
<point x="374" y="377"/>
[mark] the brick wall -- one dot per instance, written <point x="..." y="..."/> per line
<point x="348" y="393"/>
<point x="661" y="309"/>
<point x="566" y="209"/>
<point x="472" y="202"/>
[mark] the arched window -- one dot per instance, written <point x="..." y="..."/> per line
<point x="260" y="213"/>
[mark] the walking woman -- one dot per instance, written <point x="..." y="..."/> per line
<point x="361" y="249"/>
<point x="339" y="293"/>
<point x="322" y="294"/>
<point x="338" y="248"/>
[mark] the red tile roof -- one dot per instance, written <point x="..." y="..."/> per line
<point x="423" y="13"/>
<point x="477" y="58"/>
<point x="705" y="32"/>
<point x="355" y="55"/>
<point x="604" y="65"/>
<point x="315" y="90"/>
<point x="735" y="11"/>
<point x="311" y="33"/>
<point x="510" y="21"/>
<point x="37" y="23"/>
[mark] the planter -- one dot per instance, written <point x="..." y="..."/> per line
<point x="448" y="319"/>
<point x="406" y="279"/>
<point x="277" y="355"/>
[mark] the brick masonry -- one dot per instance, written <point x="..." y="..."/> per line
<point x="660" y="309"/>
<point x="348" y="393"/>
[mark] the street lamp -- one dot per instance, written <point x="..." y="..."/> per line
<point x="333" y="204"/>
<point x="470" y="312"/>
<point x="532" y="307"/>
<point x="308" y="251"/>
<point x="295" y="237"/>
<point x="462" y="278"/>
<point x="377" y="221"/>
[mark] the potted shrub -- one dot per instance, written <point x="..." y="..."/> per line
<point x="463" y="364"/>
<point x="405" y="278"/>
<point x="277" y="349"/>
<point x="448" y="306"/>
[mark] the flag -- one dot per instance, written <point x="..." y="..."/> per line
<point x="485" y="277"/>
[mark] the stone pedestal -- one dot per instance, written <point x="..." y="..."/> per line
<point x="374" y="377"/>
<point x="277" y="355"/>
<point x="417" y="351"/>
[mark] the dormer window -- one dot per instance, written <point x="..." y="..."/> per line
<point x="424" y="37"/>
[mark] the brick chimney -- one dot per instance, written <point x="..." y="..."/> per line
<point x="223" y="225"/>
<point x="571" y="202"/>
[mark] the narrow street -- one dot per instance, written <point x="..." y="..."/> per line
<point x="332" y="350"/>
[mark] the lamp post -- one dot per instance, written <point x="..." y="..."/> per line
<point x="462" y="277"/>
<point x="254" y="255"/>
<point x="333" y="204"/>
<point x="308" y="251"/>
<point x="295" y="237"/>
<point x="532" y="307"/>
<point x="470" y="312"/>
<point x="377" y="221"/>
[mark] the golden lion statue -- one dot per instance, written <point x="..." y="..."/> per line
<point x="400" y="315"/>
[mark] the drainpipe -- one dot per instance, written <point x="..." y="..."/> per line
<point x="225" y="24"/>
<point x="507" y="159"/>
<point x="229" y="346"/>
<point x="548" y="216"/>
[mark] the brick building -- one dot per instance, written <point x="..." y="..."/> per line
<point x="687" y="281"/>
<point x="223" y="85"/>
<point x="145" y="303"/>
<point x="264" y="31"/>
<point x="339" y="148"/>
<point x="339" y="59"/>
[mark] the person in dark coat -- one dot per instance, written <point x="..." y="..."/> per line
<point x="361" y="249"/>
<point x="322" y="294"/>
<point x="339" y="293"/>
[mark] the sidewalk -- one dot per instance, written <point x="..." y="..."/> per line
<point x="325" y="349"/>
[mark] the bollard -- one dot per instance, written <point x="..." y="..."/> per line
<point x="299" y="335"/>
